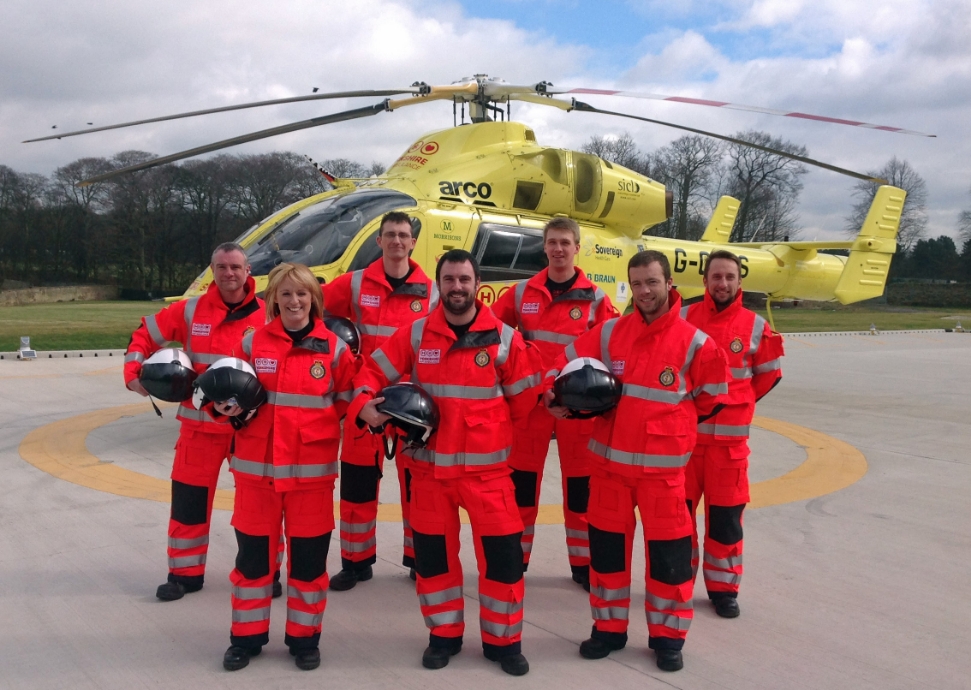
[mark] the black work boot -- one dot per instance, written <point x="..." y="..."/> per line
<point x="726" y="607"/>
<point x="437" y="657"/>
<point x="669" y="659"/>
<point x="514" y="664"/>
<point x="306" y="659"/>
<point x="237" y="657"/>
<point x="170" y="591"/>
<point x="348" y="578"/>
<point x="601" y="644"/>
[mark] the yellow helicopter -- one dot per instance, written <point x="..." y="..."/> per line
<point x="489" y="187"/>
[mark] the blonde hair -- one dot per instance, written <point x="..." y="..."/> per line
<point x="299" y="274"/>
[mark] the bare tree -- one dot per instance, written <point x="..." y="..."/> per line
<point x="620" y="150"/>
<point x="687" y="166"/>
<point x="964" y="225"/>
<point x="913" y="218"/>
<point x="85" y="203"/>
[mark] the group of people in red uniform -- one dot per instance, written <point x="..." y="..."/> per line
<point x="690" y="374"/>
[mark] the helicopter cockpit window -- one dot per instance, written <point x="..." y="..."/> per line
<point x="371" y="252"/>
<point x="507" y="252"/>
<point x="321" y="233"/>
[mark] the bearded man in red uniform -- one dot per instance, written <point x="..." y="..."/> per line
<point x="484" y="378"/>
<point x="672" y="374"/>
<point x="551" y="310"/>
<point x="718" y="467"/>
<point x="209" y="327"/>
<point x="389" y="294"/>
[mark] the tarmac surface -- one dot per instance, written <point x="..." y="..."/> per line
<point x="857" y="558"/>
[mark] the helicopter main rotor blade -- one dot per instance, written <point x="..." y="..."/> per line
<point x="585" y="108"/>
<point x="245" y="138"/>
<point x="548" y="89"/>
<point x="227" y="108"/>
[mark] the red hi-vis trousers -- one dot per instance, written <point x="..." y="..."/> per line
<point x="721" y="474"/>
<point x="195" y="472"/>
<point x="307" y="516"/>
<point x="527" y="460"/>
<point x="667" y="534"/>
<point x="496" y="531"/>
<point x="362" y="460"/>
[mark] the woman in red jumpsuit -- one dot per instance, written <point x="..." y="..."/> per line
<point x="285" y="464"/>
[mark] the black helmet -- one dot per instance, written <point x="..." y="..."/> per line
<point x="412" y="410"/>
<point x="168" y="375"/>
<point x="345" y="330"/>
<point x="586" y="386"/>
<point x="229" y="380"/>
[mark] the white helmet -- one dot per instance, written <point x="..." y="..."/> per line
<point x="168" y="375"/>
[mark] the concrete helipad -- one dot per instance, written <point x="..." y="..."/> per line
<point x="858" y="548"/>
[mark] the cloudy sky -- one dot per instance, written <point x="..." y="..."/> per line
<point x="905" y="63"/>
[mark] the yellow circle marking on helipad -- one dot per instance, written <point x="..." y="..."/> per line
<point x="59" y="448"/>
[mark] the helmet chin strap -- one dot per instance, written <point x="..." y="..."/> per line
<point x="157" y="411"/>
<point x="389" y="440"/>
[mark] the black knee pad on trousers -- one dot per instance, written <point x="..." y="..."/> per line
<point x="606" y="551"/>
<point x="577" y="494"/>
<point x="725" y="524"/>
<point x="408" y="485"/>
<point x="189" y="503"/>
<point x="431" y="557"/>
<point x="253" y="558"/>
<point x="504" y="558"/>
<point x="359" y="483"/>
<point x="670" y="560"/>
<point x="525" y="485"/>
<point x="308" y="557"/>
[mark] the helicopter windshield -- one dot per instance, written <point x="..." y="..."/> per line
<point x="320" y="234"/>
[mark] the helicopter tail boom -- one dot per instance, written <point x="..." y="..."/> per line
<point x="865" y="274"/>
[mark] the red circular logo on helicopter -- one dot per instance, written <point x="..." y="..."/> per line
<point x="430" y="148"/>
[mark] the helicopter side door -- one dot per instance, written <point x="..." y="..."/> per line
<point x="506" y="253"/>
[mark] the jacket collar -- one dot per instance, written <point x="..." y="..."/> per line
<point x="666" y="320"/>
<point x="484" y="320"/>
<point x="375" y="271"/>
<point x="538" y="281"/>
<point x="213" y="294"/>
<point x="712" y="311"/>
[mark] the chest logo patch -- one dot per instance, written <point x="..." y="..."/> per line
<point x="317" y="370"/>
<point x="575" y="313"/>
<point x="667" y="376"/>
<point x="429" y="356"/>
<point x="264" y="365"/>
<point x="370" y="300"/>
<point x="736" y="345"/>
<point x="416" y="306"/>
<point x="202" y="329"/>
<point x="617" y="366"/>
<point x="482" y="358"/>
<point x="531" y="308"/>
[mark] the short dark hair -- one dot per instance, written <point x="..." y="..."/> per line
<point x="457" y="256"/>
<point x="722" y="254"/>
<point x="396" y="217"/>
<point x="648" y="257"/>
<point x="228" y="247"/>
<point x="563" y="223"/>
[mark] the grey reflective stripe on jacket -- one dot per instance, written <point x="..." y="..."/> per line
<point x="248" y="343"/>
<point x="151" y="325"/>
<point x="357" y="277"/>
<point x="309" y="402"/>
<point x="456" y="459"/>
<point x="505" y="344"/>
<point x="624" y="457"/>
<point x="189" y="314"/>
<point x="652" y="394"/>
<point x="194" y="415"/>
<point x="517" y="387"/>
<point x="765" y="367"/>
<point x="742" y="431"/>
<point x="265" y="469"/>
<point x="384" y="331"/>
<point x="200" y="358"/>
<point x="434" y="299"/>
<point x="385" y="365"/>
<point x="134" y="357"/>
<point x="440" y="390"/>
<point x="605" y="334"/>
<point x="599" y="296"/>
<point x="549" y="337"/>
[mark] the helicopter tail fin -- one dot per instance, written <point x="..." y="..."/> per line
<point x="865" y="273"/>
<point x="722" y="221"/>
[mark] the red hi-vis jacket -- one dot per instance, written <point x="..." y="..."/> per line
<point x="482" y="382"/>
<point x="208" y="331"/>
<point x="552" y="324"/>
<point x="292" y="442"/>
<point x="366" y="298"/>
<point x="754" y="353"/>
<point x="672" y="373"/>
